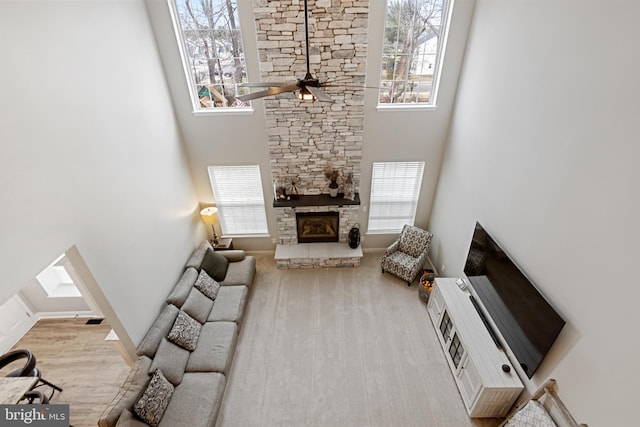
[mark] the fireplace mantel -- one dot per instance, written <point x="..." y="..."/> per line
<point x="317" y="200"/>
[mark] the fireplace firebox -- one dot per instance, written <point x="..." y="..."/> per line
<point x="316" y="227"/>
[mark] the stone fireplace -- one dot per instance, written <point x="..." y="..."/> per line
<point x="304" y="138"/>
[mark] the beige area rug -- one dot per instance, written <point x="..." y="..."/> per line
<point x="347" y="347"/>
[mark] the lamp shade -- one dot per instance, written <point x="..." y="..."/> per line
<point x="209" y="215"/>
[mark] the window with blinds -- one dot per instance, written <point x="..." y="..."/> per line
<point x="239" y="199"/>
<point x="395" y="189"/>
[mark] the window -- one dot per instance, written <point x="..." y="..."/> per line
<point x="412" y="51"/>
<point x="212" y="51"/>
<point x="395" y="189"/>
<point x="239" y="199"/>
<point x="56" y="281"/>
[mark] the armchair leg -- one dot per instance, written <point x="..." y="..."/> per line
<point x="382" y="270"/>
<point x="408" y="283"/>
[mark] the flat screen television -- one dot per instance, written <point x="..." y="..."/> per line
<point x="524" y="318"/>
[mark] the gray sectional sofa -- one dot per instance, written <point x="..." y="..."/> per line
<point x="194" y="380"/>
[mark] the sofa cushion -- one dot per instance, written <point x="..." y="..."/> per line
<point x="181" y="290"/>
<point x="185" y="331"/>
<point x="215" y="265"/>
<point x="171" y="359"/>
<point x="196" y="401"/>
<point x="233" y="255"/>
<point x="158" y="330"/>
<point x="215" y="348"/>
<point x="128" y="419"/>
<point x="129" y="392"/>
<point x="207" y="285"/>
<point x="198" y="305"/>
<point x="241" y="272"/>
<point x="195" y="260"/>
<point x="230" y="304"/>
<point x="155" y="399"/>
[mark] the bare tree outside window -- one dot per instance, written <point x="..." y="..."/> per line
<point x="411" y="51"/>
<point x="213" y="51"/>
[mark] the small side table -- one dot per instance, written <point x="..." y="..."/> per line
<point x="223" y="245"/>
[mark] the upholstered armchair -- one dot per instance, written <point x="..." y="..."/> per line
<point x="407" y="255"/>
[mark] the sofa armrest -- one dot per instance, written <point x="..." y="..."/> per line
<point x="421" y="260"/>
<point x="128" y="393"/>
<point x="233" y="255"/>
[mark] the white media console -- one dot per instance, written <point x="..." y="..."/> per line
<point x="485" y="378"/>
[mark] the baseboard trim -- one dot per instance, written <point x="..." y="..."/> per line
<point x="64" y="314"/>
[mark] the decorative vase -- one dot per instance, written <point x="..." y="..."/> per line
<point x="333" y="189"/>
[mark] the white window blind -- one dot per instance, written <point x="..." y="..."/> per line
<point x="239" y="199"/>
<point x="395" y="189"/>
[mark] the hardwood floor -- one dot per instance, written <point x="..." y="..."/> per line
<point x="75" y="356"/>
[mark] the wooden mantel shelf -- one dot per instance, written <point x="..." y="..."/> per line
<point x="317" y="200"/>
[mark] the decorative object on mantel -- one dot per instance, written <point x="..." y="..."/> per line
<point x="292" y="187"/>
<point x="210" y="217"/>
<point x="349" y="194"/>
<point x="332" y="175"/>
<point x="279" y="190"/>
<point x="286" y="188"/>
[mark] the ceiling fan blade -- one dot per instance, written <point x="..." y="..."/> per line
<point x="319" y="94"/>
<point x="350" y="86"/>
<point x="265" y="84"/>
<point x="268" y="92"/>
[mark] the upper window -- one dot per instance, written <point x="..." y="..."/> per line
<point x="412" y="52"/>
<point x="212" y="51"/>
<point x="239" y="199"/>
<point x="395" y="190"/>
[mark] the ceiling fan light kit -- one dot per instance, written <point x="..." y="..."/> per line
<point x="305" y="95"/>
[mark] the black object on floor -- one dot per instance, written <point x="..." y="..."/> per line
<point x="94" y="321"/>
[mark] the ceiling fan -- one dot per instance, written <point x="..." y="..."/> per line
<point x="309" y="86"/>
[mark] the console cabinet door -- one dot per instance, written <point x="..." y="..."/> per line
<point x="435" y="307"/>
<point x="469" y="381"/>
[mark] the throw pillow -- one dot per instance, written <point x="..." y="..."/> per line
<point x="151" y="406"/>
<point x="215" y="265"/>
<point x="185" y="331"/>
<point x="206" y="285"/>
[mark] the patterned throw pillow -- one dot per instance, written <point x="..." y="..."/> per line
<point x="532" y="414"/>
<point x="151" y="406"/>
<point x="185" y="331"/>
<point x="207" y="285"/>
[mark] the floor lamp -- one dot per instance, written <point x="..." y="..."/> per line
<point x="210" y="217"/>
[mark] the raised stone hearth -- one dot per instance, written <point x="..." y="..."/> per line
<point x="317" y="255"/>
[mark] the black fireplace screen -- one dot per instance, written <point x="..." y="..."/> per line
<point x="317" y="227"/>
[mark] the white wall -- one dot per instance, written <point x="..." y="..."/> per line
<point x="242" y="139"/>
<point x="216" y="139"/>
<point x="543" y="152"/>
<point x="91" y="153"/>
